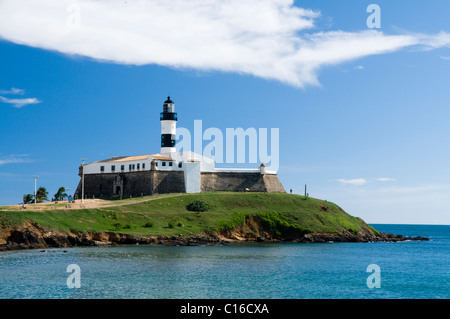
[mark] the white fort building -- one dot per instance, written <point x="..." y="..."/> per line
<point x="169" y="171"/>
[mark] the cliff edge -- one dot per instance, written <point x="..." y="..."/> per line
<point x="231" y="216"/>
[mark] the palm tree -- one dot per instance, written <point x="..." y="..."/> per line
<point x="60" y="194"/>
<point x="28" y="198"/>
<point x="41" y="194"/>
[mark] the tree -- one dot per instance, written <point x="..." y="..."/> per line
<point x="28" y="198"/>
<point x="41" y="195"/>
<point x="60" y="194"/>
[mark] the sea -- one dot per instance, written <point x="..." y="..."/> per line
<point x="378" y="270"/>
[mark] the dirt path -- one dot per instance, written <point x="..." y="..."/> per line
<point x="87" y="203"/>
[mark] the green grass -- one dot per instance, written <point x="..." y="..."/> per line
<point x="168" y="215"/>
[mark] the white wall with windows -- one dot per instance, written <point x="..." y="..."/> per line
<point x="130" y="166"/>
<point x="178" y="163"/>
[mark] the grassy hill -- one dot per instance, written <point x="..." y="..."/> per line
<point x="167" y="215"/>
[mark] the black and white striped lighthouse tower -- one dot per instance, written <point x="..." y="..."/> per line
<point x="168" y="120"/>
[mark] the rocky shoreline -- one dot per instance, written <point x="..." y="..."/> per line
<point x="349" y="237"/>
<point x="32" y="236"/>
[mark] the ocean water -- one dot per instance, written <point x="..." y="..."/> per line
<point x="247" y="271"/>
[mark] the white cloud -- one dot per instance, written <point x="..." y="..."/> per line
<point x="447" y="58"/>
<point x="385" y="179"/>
<point x="15" y="159"/>
<point x="13" y="91"/>
<point x="18" y="103"/>
<point x="359" y="67"/>
<point x="363" y="181"/>
<point x="354" y="182"/>
<point x="263" y="38"/>
<point x="434" y="41"/>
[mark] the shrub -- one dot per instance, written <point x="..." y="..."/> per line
<point x="197" y="206"/>
<point x="117" y="225"/>
<point x="148" y="224"/>
<point x="173" y="224"/>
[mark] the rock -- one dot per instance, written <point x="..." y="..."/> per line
<point x="31" y="235"/>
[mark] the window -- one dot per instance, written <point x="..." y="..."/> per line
<point x="143" y="165"/>
<point x="122" y="167"/>
<point x="129" y="167"/>
<point x="102" y="169"/>
<point x="180" y="164"/>
<point x="163" y="163"/>
<point x="113" y="168"/>
<point x="156" y="164"/>
<point x="170" y="163"/>
<point x="168" y="108"/>
<point x="134" y="167"/>
<point x="138" y="166"/>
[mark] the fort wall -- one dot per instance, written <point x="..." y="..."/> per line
<point x="133" y="183"/>
<point x="161" y="182"/>
<point x="240" y="182"/>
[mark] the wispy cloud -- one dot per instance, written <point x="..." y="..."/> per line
<point x="270" y="39"/>
<point x="354" y="182"/>
<point x="384" y="179"/>
<point x="364" y="181"/>
<point x="19" y="103"/>
<point x="447" y="58"/>
<point x="15" y="159"/>
<point x="13" y="91"/>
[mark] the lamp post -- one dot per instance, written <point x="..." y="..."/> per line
<point x="35" y="177"/>
<point x="82" y="180"/>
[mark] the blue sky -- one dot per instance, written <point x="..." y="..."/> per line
<point x="363" y="125"/>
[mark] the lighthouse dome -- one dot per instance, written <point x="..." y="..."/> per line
<point x="168" y="101"/>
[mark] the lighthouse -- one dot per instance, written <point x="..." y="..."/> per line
<point x="168" y="119"/>
<point x="170" y="171"/>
